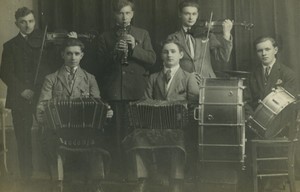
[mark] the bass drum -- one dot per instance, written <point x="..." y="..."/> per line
<point x="220" y="115"/>
<point x="272" y="114"/>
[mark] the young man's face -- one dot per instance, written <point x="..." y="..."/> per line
<point x="171" y="55"/>
<point x="266" y="52"/>
<point x="26" y="24"/>
<point x="72" y="56"/>
<point x="189" y="16"/>
<point x="124" y="16"/>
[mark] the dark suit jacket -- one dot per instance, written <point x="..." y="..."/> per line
<point x="56" y="87"/>
<point x="218" y="48"/>
<point x="119" y="82"/>
<point x="18" y="68"/>
<point x="183" y="87"/>
<point x="280" y="75"/>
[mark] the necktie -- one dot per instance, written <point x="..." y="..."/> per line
<point x="267" y="72"/>
<point x="168" y="76"/>
<point x="189" y="42"/>
<point x="71" y="77"/>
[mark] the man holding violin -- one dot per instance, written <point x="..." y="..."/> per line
<point x="18" y="71"/>
<point x="198" y="51"/>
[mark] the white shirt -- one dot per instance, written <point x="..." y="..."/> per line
<point x="190" y="40"/>
<point x="173" y="71"/>
<point x="270" y="67"/>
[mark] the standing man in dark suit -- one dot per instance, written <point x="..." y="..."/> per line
<point x="125" y="53"/>
<point x="170" y="84"/>
<point x="18" y="72"/>
<point x="197" y="50"/>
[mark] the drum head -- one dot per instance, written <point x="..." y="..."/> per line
<point x="280" y="124"/>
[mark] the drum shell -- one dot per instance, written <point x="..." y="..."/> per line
<point x="221" y="101"/>
<point x="221" y="121"/>
<point x="272" y="114"/>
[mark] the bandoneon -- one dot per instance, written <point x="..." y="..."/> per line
<point x="155" y="114"/>
<point x="157" y="124"/>
<point x="77" y="121"/>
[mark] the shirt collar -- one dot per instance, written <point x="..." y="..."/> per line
<point x="270" y="66"/>
<point x="173" y="69"/>
<point x="185" y="29"/>
<point x="68" y="69"/>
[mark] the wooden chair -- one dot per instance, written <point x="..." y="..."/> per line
<point x="3" y="150"/>
<point x="78" y="126"/>
<point x="278" y="151"/>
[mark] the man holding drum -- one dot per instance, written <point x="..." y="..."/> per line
<point x="270" y="73"/>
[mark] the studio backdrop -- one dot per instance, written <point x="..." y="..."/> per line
<point x="278" y="18"/>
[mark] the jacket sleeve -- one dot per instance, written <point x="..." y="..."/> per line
<point x="220" y="47"/>
<point x="7" y="71"/>
<point x="94" y="89"/>
<point x="143" y="51"/>
<point x="46" y="94"/>
<point x="148" y="94"/>
<point x="192" y="88"/>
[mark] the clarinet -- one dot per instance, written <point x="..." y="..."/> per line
<point x="124" y="54"/>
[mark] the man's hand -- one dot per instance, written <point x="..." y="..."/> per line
<point x="72" y="34"/>
<point x="227" y="27"/>
<point x="109" y="113"/>
<point x="130" y="40"/>
<point x="121" y="46"/>
<point x="27" y="94"/>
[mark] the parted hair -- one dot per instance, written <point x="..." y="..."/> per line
<point x="169" y="41"/>
<point x="119" y="4"/>
<point x="22" y="12"/>
<point x="263" y="39"/>
<point x="69" y="42"/>
<point x="187" y="3"/>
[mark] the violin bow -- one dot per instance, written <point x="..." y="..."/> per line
<point x="40" y="55"/>
<point x="205" y="47"/>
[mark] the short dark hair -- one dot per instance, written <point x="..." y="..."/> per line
<point x="119" y="4"/>
<point x="22" y="12"/>
<point x="188" y="3"/>
<point x="263" y="39"/>
<point x="169" y="41"/>
<point x="70" y="42"/>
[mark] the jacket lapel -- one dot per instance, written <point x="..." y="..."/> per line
<point x="181" y="38"/>
<point x="274" y="75"/>
<point x="78" y="78"/>
<point x="175" y="82"/>
<point x="63" y="77"/>
<point x="161" y="83"/>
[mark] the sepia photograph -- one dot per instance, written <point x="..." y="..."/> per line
<point x="149" y="96"/>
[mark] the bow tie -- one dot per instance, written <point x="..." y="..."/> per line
<point x="188" y="32"/>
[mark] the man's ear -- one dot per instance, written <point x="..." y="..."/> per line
<point x="181" y="54"/>
<point x="276" y="50"/>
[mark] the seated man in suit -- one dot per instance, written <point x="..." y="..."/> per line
<point x="170" y="84"/>
<point x="269" y="74"/>
<point x="70" y="82"/>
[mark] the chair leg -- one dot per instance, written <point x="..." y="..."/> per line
<point x="60" y="172"/>
<point x="254" y="167"/>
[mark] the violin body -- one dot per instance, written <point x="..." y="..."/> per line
<point x="201" y="27"/>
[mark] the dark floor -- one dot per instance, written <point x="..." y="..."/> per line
<point x="42" y="183"/>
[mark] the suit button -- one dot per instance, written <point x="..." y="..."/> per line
<point x="123" y="72"/>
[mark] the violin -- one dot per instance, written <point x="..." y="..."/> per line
<point x="200" y="28"/>
<point x="35" y="39"/>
